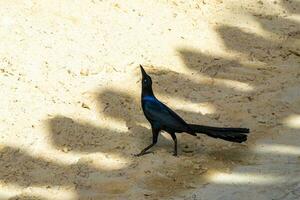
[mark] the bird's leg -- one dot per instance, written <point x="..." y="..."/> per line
<point x="175" y="143"/>
<point x="154" y="141"/>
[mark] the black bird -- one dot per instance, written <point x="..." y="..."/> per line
<point x="162" y="118"/>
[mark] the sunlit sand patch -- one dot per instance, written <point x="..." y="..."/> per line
<point x="233" y="84"/>
<point x="278" y="149"/>
<point x="7" y="22"/>
<point x="166" y="135"/>
<point x="292" y="121"/>
<point x="108" y="161"/>
<point x="245" y="178"/>
<point x="236" y="85"/>
<point x="52" y="193"/>
<point x="101" y="161"/>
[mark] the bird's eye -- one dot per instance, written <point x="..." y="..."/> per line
<point x="145" y="80"/>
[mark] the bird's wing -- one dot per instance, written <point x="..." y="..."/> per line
<point x="157" y="111"/>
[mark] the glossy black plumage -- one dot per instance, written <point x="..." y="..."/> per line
<point x="161" y="117"/>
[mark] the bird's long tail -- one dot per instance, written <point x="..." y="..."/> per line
<point x="230" y="134"/>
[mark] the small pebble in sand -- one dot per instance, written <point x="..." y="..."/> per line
<point x="84" y="105"/>
<point x="84" y="72"/>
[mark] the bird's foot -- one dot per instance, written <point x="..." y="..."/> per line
<point x="175" y="154"/>
<point x="142" y="153"/>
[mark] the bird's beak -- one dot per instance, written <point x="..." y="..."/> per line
<point x="143" y="71"/>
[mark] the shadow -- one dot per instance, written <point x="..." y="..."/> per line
<point x="121" y="106"/>
<point x="268" y="105"/>
<point x="172" y="86"/>
<point x="24" y="171"/>
<point x="17" y="167"/>
<point x="292" y="6"/>
<point x="125" y="108"/>
<point x="268" y="78"/>
<point x="218" y="67"/>
<point x="206" y="152"/>
<point x="26" y="197"/>
<point x="254" y="47"/>
<point x="283" y="27"/>
<point x="160" y="175"/>
<point x="84" y="137"/>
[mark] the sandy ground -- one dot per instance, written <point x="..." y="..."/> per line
<point x="70" y="98"/>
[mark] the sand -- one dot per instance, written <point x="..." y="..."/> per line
<point x="70" y="98"/>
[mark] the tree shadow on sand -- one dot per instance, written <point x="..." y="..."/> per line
<point x="20" y="168"/>
<point x="169" y="176"/>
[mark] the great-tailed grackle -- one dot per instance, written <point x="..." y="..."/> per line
<point x="163" y="118"/>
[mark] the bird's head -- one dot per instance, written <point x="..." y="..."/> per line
<point x="146" y="79"/>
